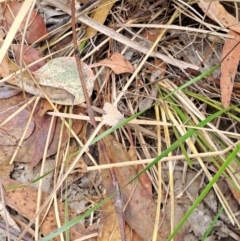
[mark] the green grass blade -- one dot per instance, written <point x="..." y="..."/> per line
<point x="82" y="45"/>
<point x="120" y="124"/>
<point x="74" y="221"/>
<point x="205" y="191"/>
<point x="183" y="149"/>
<point x="164" y="153"/>
<point x="182" y="139"/>
<point x="194" y="80"/>
<point x="212" y="224"/>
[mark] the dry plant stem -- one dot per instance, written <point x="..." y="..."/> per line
<point x="79" y="66"/>
<point x="14" y="27"/>
<point x="25" y="131"/>
<point x="58" y="185"/>
<point x="144" y="60"/>
<point x="196" y="116"/>
<point x="164" y="109"/>
<point x="176" y="27"/>
<point x="117" y="197"/>
<point x="27" y="24"/>
<point x="159" y="199"/>
<point x="146" y="122"/>
<point x="164" y="159"/>
<point x="56" y="177"/>
<point x="18" y="111"/>
<point x="39" y="195"/>
<point x="120" y="38"/>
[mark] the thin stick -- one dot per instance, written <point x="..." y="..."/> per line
<point x="176" y="27"/>
<point x="117" y="197"/>
<point x="164" y="159"/>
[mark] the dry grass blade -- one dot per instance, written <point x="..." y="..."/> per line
<point x="154" y="53"/>
<point x="192" y="109"/>
<point x="27" y="5"/>
<point x="147" y="122"/>
<point x="122" y="39"/>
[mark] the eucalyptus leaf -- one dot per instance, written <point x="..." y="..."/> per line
<point x="60" y="80"/>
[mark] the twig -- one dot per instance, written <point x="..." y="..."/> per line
<point x="117" y="197"/>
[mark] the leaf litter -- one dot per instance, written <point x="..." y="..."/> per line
<point x="58" y="78"/>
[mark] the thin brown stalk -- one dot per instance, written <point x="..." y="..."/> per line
<point x="117" y="197"/>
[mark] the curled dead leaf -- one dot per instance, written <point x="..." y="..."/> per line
<point x="117" y="63"/>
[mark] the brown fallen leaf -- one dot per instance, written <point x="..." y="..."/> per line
<point x="229" y="65"/>
<point x="12" y="131"/>
<point x="152" y="34"/>
<point x="216" y="11"/>
<point x="117" y="63"/>
<point x="4" y="68"/>
<point x="140" y="208"/>
<point x="110" y="229"/>
<point x="109" y="222"/>
<point x="7" y="92"/>
<point x="46" y="106"/>
<point x="36" y="28"/>
<point x="234" y="191"/>
<point x="144" y="178"/>
<point x="37" y="144"/>
<point x="32" y="148"/>
<point x="24" y="199"/>
<point x="29" y="56"/>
